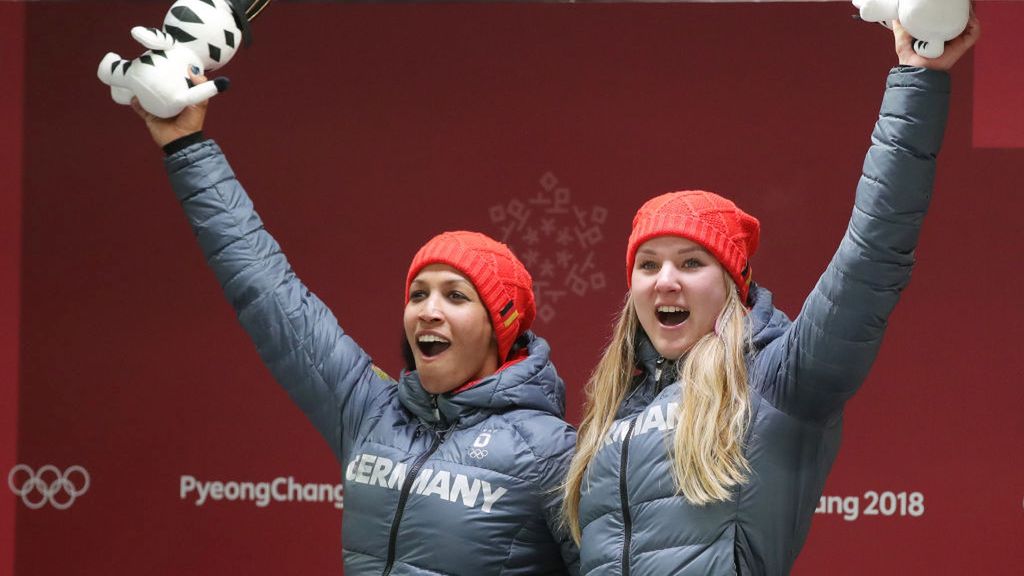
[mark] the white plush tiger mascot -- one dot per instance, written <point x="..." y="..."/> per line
<point x="204" y="34"/>
<point x="931" y="22"/>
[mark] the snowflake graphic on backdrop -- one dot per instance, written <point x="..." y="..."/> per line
<point x="556" y="240"/>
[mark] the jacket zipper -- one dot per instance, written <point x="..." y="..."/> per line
<point x="404" y="496"/>
<point x="658" y="371"/>
<point x="627" y="519"/>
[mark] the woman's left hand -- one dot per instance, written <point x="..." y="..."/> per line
<point x="167" y="130"/>
<point x="955" y="48"/>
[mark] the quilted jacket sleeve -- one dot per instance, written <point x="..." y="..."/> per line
<point x="552" y="444"/>
<point x="323" y="370"/>
<point x="827" y="352"/>
<point x="551" y="485"/>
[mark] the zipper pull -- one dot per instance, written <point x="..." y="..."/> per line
<point x="437" y="411"/>
<point x="658" y="370"/>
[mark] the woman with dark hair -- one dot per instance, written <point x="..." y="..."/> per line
<point x="454" y="468"/>
<point x="712" y="419"/>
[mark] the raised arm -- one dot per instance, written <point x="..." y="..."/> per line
<point x="322" y="369"/>
<point x="831" y="346"/>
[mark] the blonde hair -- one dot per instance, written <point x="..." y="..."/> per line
<point x="707" y="449"/>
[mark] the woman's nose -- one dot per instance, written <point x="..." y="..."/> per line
<point x="667" y="280"/>
<point x="429" y="310"/>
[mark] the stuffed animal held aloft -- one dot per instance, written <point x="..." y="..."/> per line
<point x="197" y="35"/>
<point x="932" y="23"/>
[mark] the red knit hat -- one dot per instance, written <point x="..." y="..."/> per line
<point x="502" y="281"/>
<point x="728" y="233"/>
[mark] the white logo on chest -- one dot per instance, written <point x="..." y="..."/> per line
<point x="659" y="417"/>
<point x="374" y="470"/>
<point x="479" y="449"/>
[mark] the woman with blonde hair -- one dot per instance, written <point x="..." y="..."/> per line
<point x="712" y="419"/>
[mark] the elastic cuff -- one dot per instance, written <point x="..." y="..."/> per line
<point x="904" y="76"/>
<point x="183" y="142"/>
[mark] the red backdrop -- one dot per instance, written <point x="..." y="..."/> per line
<point x="361" y="130"/>
<point x="12" y="43"/>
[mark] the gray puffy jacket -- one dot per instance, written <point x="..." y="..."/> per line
<point x="448" y="484"/>
<point x="801" y="374"/>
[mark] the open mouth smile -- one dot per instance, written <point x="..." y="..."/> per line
<point x="671" y="315"/>
<point x="431" y="345"/>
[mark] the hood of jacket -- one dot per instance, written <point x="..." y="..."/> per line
<point x="529" y="383"/>
<point x="765" y="322"/>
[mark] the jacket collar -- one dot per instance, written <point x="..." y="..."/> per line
<point x="650" y="362"/>
<point x="531" y="382"/>
<point x="654" y="372"/>
<point x="765" y="322"/>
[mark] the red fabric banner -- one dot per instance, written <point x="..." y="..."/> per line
<point x="999" y="77"/>
<point x="12" y="52"/>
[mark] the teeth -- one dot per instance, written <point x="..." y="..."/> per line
<point x="669" y="309"/>
<point x="431" y="338"/>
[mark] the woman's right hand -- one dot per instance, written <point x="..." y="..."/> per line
<point x="167" y="130"/>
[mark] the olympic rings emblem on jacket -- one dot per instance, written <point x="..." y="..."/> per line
<point x="49" y="484"/>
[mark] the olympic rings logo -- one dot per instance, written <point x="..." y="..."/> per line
<point x="49" y="485"/>
<point x="478" y="450"/>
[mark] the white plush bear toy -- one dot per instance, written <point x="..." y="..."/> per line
<point x="204" y="34"/>
<point x="931" y="22"/>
